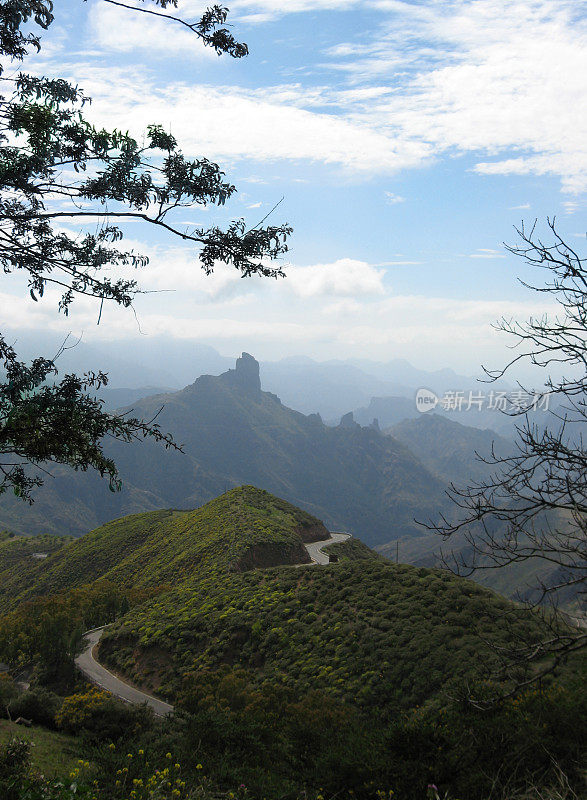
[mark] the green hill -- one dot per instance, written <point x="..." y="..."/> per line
<point x="233" y="433"/>
<point x="22" y="558"/>
<point x="242" y="529"/>
<point x="290" y="676"/>
<point x="368" y="632"/>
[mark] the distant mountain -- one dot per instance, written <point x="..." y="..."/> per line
<point x="387" y="411"/>
<point x="118" y="398"/>
<point x="335" y="387"/>
<point x="448" y="448"/>
<point x="331" y="389"/>
<point x="400" y="372"/>
<point x="130" y="364"/>
<point x="125" y="368"/>
<point x="233" y="433"/>
<point x="151" y="364"/>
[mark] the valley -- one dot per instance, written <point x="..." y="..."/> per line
<point x="293" y="400"/>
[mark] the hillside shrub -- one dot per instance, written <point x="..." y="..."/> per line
<point x="38" y="704"/>
<point x="79" y="710"/>
<point x="8" y="692"/>
<point x="402" y="627"/>
<point x="99" y="717"/>
<point x="20" y="781"/>
<point x="14" y="768"/>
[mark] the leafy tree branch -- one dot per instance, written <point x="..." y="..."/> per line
<point x="51" y="155"/>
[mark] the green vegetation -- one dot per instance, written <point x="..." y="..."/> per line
<point x="236" y="742"/>
<point x="447" y="448"/>
<point x="368" y="632"/>
<point x="20" y="557"/>
<point x="289" y="682"/>
<point x="52" y="753"/>
<point x="352" y="550"/>
<point x="243" y="528"/>
<point x="45" y="634"/>
<point x="91" y="581"/>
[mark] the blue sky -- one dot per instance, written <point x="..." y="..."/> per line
<point x="406" y="138"/>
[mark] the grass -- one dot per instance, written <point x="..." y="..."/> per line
<point x="53" y="754"/>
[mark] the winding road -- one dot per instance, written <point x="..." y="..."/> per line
<point x="315" y="548"/>
<point x="96" y="673"/>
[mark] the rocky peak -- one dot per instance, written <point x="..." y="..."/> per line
<point x="348" y="421"/>
<point x="245" y="375"/>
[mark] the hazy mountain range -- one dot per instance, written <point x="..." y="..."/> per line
<point x="332" y="388"/>
<point x="234" y="433"/>
<point x="373" y="483"/>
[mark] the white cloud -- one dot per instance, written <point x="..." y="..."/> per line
<point x="486" y="252"/>
<point x="225" y="122"/>
<point x="501" y="80"/>
<point x="570" y="206"/>
<point x="176" y="271"/>
<point x="345" y="277"/>
<point x="259" y="11"/>
<point x="392" y="199"/>
<point x="283" y="318"/>
<point x="485" y="77"/>
<point x="117" y="29"/>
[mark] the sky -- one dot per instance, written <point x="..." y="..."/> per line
<point x="402" y="139"/>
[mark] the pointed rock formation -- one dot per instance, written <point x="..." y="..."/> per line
<point x="348" y="421"/>
<point x="245" y="376"/>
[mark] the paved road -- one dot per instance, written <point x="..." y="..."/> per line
<point x="98" y="674"/>
<point x="315" y="548"/>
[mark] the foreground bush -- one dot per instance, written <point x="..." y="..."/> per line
<point x="38" y="704"/>
<point x="100" y="716"/>
<point x="18" y="781"/>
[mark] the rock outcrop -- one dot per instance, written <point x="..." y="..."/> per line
<point x="245" y="376"/>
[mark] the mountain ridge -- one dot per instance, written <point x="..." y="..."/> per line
<point x="233" y="433"/>
<point x="242" y="529"/>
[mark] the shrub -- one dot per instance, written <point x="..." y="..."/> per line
<point x="38" y="704"/>
<point x="98" y="714"/>
<point x="78" y="710"/>
<point x="7" y="692"/>
<point x="19" y="782"/>
<point x="14" y="767"/>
